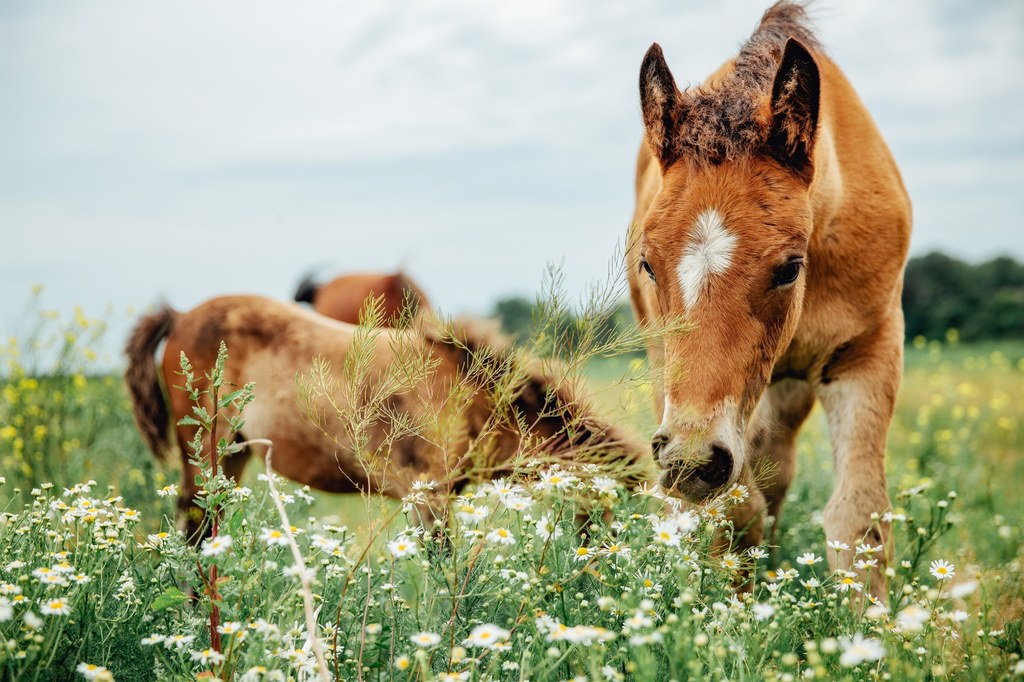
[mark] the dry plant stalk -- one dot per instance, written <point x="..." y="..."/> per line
<point x="305" y="576"/>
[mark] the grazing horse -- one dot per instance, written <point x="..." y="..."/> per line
<point x="343" y="298"/>
<point x="458" y="403"/>
<point x="771" y="215"/>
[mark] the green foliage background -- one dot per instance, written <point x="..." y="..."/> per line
<point x="983" y="301"/>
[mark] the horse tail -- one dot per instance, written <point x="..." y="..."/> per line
<point x="306" y="290"/>
<point x="149" y="405"/>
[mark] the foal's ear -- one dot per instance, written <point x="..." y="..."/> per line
<point x="796" y="96"/>
<point x="662" y="105"/>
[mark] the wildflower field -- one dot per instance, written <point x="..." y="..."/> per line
<point x="96" y="583"/>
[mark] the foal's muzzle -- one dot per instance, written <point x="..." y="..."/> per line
<point x="694" y="475"/>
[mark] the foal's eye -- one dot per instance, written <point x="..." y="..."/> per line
<point x="646" y="267"/>
<point x="787" y="273"/>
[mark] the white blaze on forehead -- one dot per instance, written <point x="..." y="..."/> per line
<point x="708" y="253"/>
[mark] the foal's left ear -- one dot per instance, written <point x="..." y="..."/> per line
<point x="662" y="105"/>
<point x="796" y="96"/>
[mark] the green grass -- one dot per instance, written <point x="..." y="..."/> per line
<point x="668" y="612"/>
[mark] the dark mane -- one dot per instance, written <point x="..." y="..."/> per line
<point x="551" y="405"/>
<point x="726" y="120"/>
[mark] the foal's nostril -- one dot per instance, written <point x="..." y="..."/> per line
<point x="716" y="471"/>
<point x="658" y="442"/>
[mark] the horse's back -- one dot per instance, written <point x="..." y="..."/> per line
<point x="246" y="323"/>
<point x="853" y="147"/>
<point x="862" y="219"/>
<point x="270" y="342"/>
<point x="344" y="298"/>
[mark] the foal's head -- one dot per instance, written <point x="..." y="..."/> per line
<point x="724" y="246"/>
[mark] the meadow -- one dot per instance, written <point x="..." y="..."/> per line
<point x="95" y="582"/>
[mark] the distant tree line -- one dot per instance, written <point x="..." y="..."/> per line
<point x="524" y="319"/>
<point x="983" y="301"/>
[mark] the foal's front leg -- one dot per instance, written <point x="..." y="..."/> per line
<point x="772" y="459"/>
<point x="857" y="388"/>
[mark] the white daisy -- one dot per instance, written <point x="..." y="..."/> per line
<point x="808" y="559"/>
<point x="486" y="636"/>
<point x="208" y="657"/>
<point x="868" y="549"/>
<point x="912" y="618"/>
<point x="942" y="570"/>
<point x="517" y="502"/>
<point x="273" y="537"/>
<point x="730" y="562"/>
<point x="216" y="545"/>
<point x="847" y="582"/>
<point x="583" y="553"/>
<point x="55" y="607"/>
<point x="231" y="627"/>
<point x="556" y="479"/>
<point x="604" y="486"/>
<point x="860" y="649"/>
<point x="738" y="493"/>
<point x="93" y="672"/>
<point x="666" y="533"/>
<point x="503" y="488"/>
<point x="470" y="513"/>
<point x="168" y="490"/>
<point x="616" y="551"/>
<point x="425" y="640"/>
<point x="178" y="641"/>
<point x="501" y="536"/>
<point x="547" y="529"/>
<point x="402" y="547"/>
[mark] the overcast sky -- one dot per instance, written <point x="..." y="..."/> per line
<point x="186" y="149"/>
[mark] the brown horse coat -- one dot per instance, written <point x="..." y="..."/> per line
<point x="343" y="298"/>
<point x="771" y="214"/>
<point x="270" y="343"/>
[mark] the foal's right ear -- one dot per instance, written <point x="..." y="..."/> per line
<point x="662" y="106"/>
<point x="795" y="101"/>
